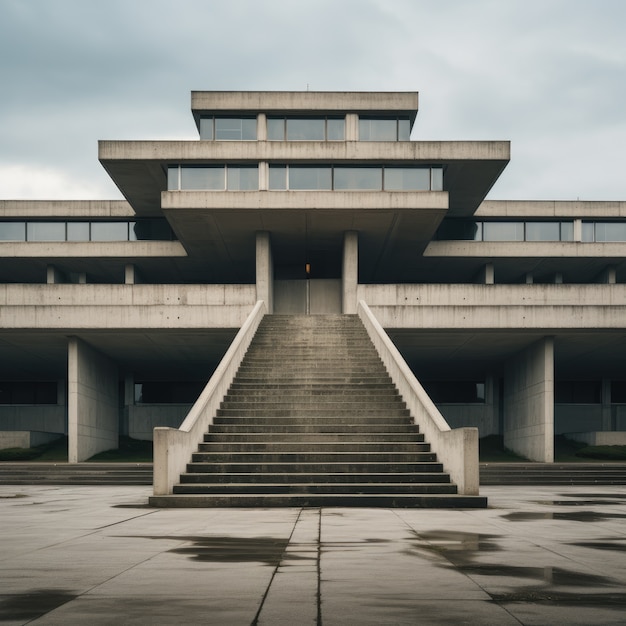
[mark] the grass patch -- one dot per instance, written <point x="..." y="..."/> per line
<point x="603" y="453"/>
<point x="491" y="450"/>
<point x="129" y="451"/>
<point x="54" y="451"/>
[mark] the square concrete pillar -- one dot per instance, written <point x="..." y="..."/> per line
<point x="264" y="270"/>
<point x="350" y="272"/>
<point x="92" y="402"/>
<point x="529" y="402"/>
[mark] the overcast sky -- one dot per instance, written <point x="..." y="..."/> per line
<point x="549" y="75"/>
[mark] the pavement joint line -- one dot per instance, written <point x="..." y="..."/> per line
<point x="255" y="621"/>
<point x="128" y="519"/>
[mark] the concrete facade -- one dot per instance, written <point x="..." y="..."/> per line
<point x="510" y="314"/>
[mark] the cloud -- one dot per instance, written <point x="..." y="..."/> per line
<point x="549" y="76"/>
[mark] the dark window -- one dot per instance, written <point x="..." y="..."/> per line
<point x="456" y="391"/>
<point x="618" y="392"/>
<point x="28" y="392"/>
<point x="578" y="392"/>
<point x="168" y="392"/>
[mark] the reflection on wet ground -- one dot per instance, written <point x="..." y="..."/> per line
<point x="268" y="550"/>
<point x="575" y="502"/>
<point x="577" y="516"/>
<point x="613" y="546"/>
<point x="457" y="541"/>
<point x="28" y="606"/>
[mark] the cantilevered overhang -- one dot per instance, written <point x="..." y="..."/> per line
<point x="471" y="168"/>
<point x="402" y="103"/>
<point x="394" y="227"/>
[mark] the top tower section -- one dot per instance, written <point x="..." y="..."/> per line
<point x="304" y="115"/>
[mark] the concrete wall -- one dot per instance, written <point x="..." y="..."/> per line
<point x="125" y="306"/>
<point x="24" y="439"/>
<point x="93" y="402"/>
<point x="482" y="416"/>
<point x="576" y="418"/>
<point x="145" y="417"/>
<point x="612" y="438"/>
<point x="489" y="306"/>
<point x="43" y="417"/>
<point x="529" y="402"/>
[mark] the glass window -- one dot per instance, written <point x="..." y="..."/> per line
<point x="364" y="178"/>
<point x="28" y="392"/>
<point x="578" y="391"/>
<point x="173" y="178"/>
<point x="206" y="128"/>
<point x="503" y="231"/>
<point x="459" y="230"/>
<point x="456" y="391"/>
<point x="618" y="392"/>
<point x="543" y="231"/>
<point x="12" y="231"/>
<point x="404" y="130"/>
<point x="306" y="129"/>
<point x="378" y="129"/>
<point x="436" y="178"/>
<point x="151" y="230"/>
<point x="278" y="177"/>
<point x="335" y="129"/>
<point x="109" y="231"/>
<point x="168" y="392"/>
<point x="201" y="178"/>
<point x="610" y="231"/>
<point x="45" y="231"/>
<point x="407" y="178"/>
<point x="567" y="231"/>
<point x="244" y="178"/>
<point x="276" y="128"/>
<point x="78" y="231"/>
<point x="235" y="129"/>
<point x="309" y="178"/>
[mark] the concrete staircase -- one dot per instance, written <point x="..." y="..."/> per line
<point x="313" y="419"/>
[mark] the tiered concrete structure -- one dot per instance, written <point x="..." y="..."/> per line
<point x="115" y="314"/>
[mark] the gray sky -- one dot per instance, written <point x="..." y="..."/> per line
<point x="549" y="75"/>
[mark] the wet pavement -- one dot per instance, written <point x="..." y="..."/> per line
<point x="99" y="555"/>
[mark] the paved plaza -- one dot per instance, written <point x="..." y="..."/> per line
<point x="100" y="555"/>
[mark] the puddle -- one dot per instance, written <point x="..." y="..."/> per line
<point x="613" y="546"/>
<point x="452" y="540"/>
<point x="551" y="575"/>
<point x="13" y="495"/>
<point x="28" y="606"/>
<point x="132" y="506"/>
<point x="552" y="598"/>
<point x="575" y="502"/>
<point x="267" y="550"/>
<point x="608" y="496"/>
<point x="573" y="516"/>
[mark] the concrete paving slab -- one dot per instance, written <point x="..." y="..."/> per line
<point x="98" y="555"/>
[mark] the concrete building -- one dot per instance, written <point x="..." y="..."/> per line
<point x="115" y="314"/>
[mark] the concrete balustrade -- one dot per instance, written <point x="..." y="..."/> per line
<point x="173" y="447"/>
<point x="456" y="448"/>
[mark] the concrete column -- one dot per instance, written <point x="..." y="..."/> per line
<point x="529" y="279"/>
<point x="264" y="176"/>
<point x="131" y="274"/>
<point x="264" y="270"/>
<point x="350" y="272"/>
<point x="486" y="276"/>
<point x="352" y="127"/>
<point x="608" y="276"/>
<point x="529" y="402"/>
<point x="54" y="276"/>
<point x="261" y="127"/>
<point x="578" y="230"/>
<point x="92" y="402"/>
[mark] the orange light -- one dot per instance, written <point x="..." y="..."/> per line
<point x="307" y="268"/>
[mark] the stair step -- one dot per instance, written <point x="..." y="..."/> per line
<point x="313" y="477"/>
<point x="316" y="412"/>
<point x="313" y="467"/>
<point x="320" y="500"/>
<point x="356" y="422"/>
<point x="312" y="447"/>
<point x="310" y="437"/>
<point x="311" y="457"/>
<point x="316" y="488"/>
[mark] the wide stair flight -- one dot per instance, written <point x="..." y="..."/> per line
<point x="313" y="419"/>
